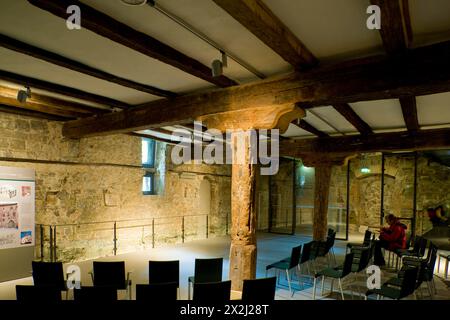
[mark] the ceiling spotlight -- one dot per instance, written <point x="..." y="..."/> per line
<point x="218" y="65"/>
<point x="23" y="95"/>
<point x="134" y="2"/>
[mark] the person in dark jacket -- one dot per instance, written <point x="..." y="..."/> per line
<point x="391" y="238"/>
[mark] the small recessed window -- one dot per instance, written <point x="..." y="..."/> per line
<point x="148" y="184"/>
<point x="148" y="153"/>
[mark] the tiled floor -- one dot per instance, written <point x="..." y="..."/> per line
<point x="271" y="248"/>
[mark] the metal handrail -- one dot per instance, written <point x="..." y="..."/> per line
<point x="52" y="241"/>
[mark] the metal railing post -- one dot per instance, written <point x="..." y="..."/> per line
<point x="182" y="229"/>
<point x="207" y="226"/>
<point x="41" y="229"/>
<point x="153" y="233"/>
<point x="115" y="238"/>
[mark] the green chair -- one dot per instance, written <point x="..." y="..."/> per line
<point x="335" y="273"/>
<point x="407" y="287"/>
<point x="287" y="265"/>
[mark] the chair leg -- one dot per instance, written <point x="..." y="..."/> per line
<point x="300" y="281"/>
<point x="189" y="290"/>
<point x="323" y="284"/>
<point x="430" y="289"/>
<point x="340" y="288"/>
<point x="289" y="282"/>
<point x="314" y="288"/>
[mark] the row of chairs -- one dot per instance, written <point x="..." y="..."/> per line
<point x="306" y="258"/>
<point x="164" y="279"/>
<point x="414" y="272"/>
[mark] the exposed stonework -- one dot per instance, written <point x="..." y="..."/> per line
<point x="103" y="182"/>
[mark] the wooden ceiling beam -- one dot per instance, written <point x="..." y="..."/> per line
<point x="421" y="71"/>
<point x="395" y="25"/>
<point x="119" y="32"/>
<point x="263" y="23"/>
<point x="382" y="142"/>
<point x="32" y="114"/>
<point x="350" y="115"/>
<point x="46" y="104"/>
<point x="63" y="90"/>
<point x="308" y="127"/>
<point x="409" y="110"/>
<point x="56" y="59"/>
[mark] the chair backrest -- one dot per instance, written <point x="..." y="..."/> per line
<point x="367" y="237"/>
<point x="409" y="282"/>
<point x="431" y="261"/>
<point x="212" y="292"/>
<point x="95" y="294"/>
<point x="364" y="259"/>
<point x="306" y="253"/>
<point x="164" y="272"/>
<point x="48" y="274"/>
<point x="295" y="256"/>
<point x="157" y="292"/>
<point x="422" y="246"/>
<point x="330" y="241"/>
<point x="49" y="294"/>
<point x="110" y="274"/>
<point x="259" y="290"/>
<point x="347" y="267"/>
<point x="417" y="244"/>
<point x="208" y="270"/>
<point x="330" y="231"/>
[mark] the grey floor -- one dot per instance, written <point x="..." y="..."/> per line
<point x="271" y="247"/>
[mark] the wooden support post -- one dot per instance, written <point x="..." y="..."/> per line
<point x="243" y="211"/>
<point x="321" y="192"/>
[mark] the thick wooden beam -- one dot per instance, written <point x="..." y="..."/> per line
<point x="409" y="110"/>
<point x="63" y="90"/>
<point x="395" y="25"/>
<point x="348" y="113"/>
<point x="418" y="72"/>
<point x="308" y="127"/>
<point x="116" y="31"/>
<point x="56" y="59"/>
<point x="382" y="142"/>
<point x="45" y="104"/>
<point x="262" y="22"/>
<point x="33" y="114"/>
<point x="148" y="136"/>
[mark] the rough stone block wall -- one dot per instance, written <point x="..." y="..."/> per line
<point x="81" y="182"/>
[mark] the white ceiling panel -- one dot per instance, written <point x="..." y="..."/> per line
<point x="295" y="131"/>
<point x="333" y="117"/>
<point x="329" y="28"/>
<point x="380" y="114"/>
<point x="434" y="109"/>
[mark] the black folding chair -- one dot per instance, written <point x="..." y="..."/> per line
<point x="43" y="294"/>
<point x="206" y="270"/>
<point x="166" y="292"/>
<point x="212" y="292"/>
<point x="111" y="274"/>
<point x="49" y="274"/>
<point x="164" y="272"/>
<point x="95" y="294"/>
<point x="259" y="290"/>
<point x="287" y="265"/>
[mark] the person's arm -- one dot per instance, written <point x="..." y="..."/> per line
<point x="394" y="235"/>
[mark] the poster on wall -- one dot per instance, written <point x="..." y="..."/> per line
<point x="17" y="207"/>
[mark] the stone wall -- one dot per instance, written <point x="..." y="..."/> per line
<point x="81" y="181"/>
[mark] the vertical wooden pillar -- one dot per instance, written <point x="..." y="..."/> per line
<point x="321" y="193"/>
<point x="243" y="211"/>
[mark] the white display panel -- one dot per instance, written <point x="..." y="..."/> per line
<point x="17" y="208"/>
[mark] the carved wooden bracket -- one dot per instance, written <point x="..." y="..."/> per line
<point x="274" y="117"/>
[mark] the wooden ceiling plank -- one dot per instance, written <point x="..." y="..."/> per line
<point x="308" y="127"/>
<point x="63" y="90"/>
<point x="409" y="110"/>
<point x="381" y="142"/>
<point x="421" y="71"/>
<point x="56" y="59"/>
<point x="33" y="114"/>
<point x="351" y="116"/>
<point x="263" y="23"/>
<point x="395" y="25"/>
<point x="119" y="32"/>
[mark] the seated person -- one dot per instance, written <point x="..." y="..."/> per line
<point x="391" y="238"/>
<point x="437" y="216"/>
